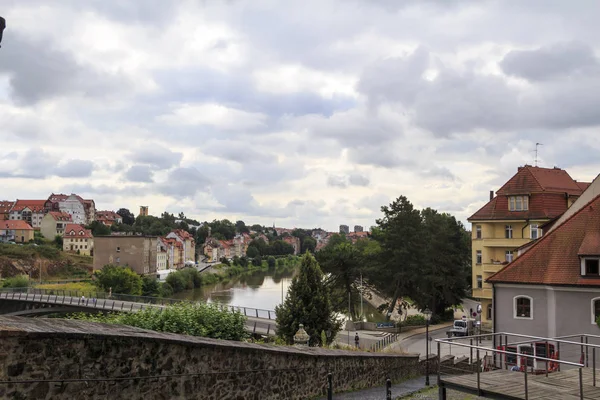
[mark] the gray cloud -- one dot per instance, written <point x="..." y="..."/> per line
<point x="549" y="62"/>
<point x="343" y="181"/>
<point x="184" y="182"/>
<point x="139" y="173"/>
<point x="74" y="169"/>
<point x="357" y="179"/>
<point x="157" y="156"/>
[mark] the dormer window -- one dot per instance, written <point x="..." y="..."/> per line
<point x="518" y="203"/>
<point x="590" y="266"/>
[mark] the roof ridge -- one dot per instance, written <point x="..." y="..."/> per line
<point x="528" y="167"/>
<point x="543" y="238"/>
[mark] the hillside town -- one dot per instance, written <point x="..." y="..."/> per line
<point x="70" y="217"/>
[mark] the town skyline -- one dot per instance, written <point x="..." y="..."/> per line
<point x="312" y="114"/>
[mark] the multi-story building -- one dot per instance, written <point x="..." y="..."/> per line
<point x="77" y="239"/>
<point x="54" y="223"/>
<point x="345" y="229"/>
<point x="358" y="228"/>
<point x="187" y="240"/>
<point x="174" y="251"/>
<point x="5" y="207"/>
<point x="30" y="211"/>
<point x="513" y="217"/>
<point x="82" y="211"/>
<point x="137" y="252"/>
<point x="108" y="217"/>
<point x="162" y="255"/>
<point x="17" y="231"/>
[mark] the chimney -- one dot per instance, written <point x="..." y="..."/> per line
<point x="491" y="195"/>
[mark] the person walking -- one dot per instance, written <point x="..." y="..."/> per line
<point x="356" y="340"/>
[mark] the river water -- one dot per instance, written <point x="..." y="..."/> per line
<point x="260" y="289"/>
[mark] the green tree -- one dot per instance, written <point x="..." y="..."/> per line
<point x="202" y="234"/>
<point x="128" y="217"/>
<point x="150" y="286"/>
<point x="58" y="241"/>
<point x="309" y="244"/>
<point x="240" y="227"/>
<point x="99" y="229"/>
<point x="121" y="280"/>
<point x="271" y="262"/>
<point x="257" y="261"/>
<point x="307" y="302"/>
<point x="252" y="251"/>
<point x="256" y="228"/>
<point x="16" y="281"/>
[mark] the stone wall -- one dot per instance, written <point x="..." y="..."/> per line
<point x="60" y="359"/>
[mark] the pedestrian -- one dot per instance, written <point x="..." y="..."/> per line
<point x="356" y="340"/>
<point x="82" y="299"/>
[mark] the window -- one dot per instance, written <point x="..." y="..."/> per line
<point x="595" y="309"/>
<point x="489" y="312"/>
<point x="591" y="266"/>
<point x="508" y="232"/>
<point x="508" y="256"/>
<point x="518" y="203"/>
<point x="535" y="231"/>
<point x="479" y="282"/>
<point x="478" y="257"/>
<point x="478" y="231"/>
<point x="522" y="307"/>
<point x="118" y="260"/>
<point x="118" y="249"/>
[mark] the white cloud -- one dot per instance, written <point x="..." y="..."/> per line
<point x="215" y="115"/>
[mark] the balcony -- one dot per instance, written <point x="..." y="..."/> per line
<point x="504" y="242"/>
<point x="492" y="267"/>
<point x="485" y="293"/>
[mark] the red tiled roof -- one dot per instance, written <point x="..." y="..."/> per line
<point x="60" y="216"/>
<point x="5" y="206"/>
<point x="77" y="231"/>
<point x="590" y="245"/>
<point x="541" y="206"/>
<point x="226" y="243"/>
<point x="583" y="185"/>
<point x="183" y="235"/>
<point x="34" y="205"/>
<point x="16" y="224"/>
<point x="530" y="179"/>
<point x="554" y="259"/>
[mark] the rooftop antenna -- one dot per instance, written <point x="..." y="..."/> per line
<point x="536" y="152"/>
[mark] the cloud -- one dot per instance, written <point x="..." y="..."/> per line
<point x="157" y="156"/>
<point x="183" y="182"/>
<point x="139" y="173"/>
<point x="74" y="169"/>
<point x="352" y="179"/>
<point x="214" y="115"/>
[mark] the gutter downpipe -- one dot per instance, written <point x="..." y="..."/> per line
<point x="494" y="317"/>
<point x="523" y="230"/>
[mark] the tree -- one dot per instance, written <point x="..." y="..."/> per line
<point x="308" y="303"/>
<point x="256" y="228"/>
<point x="121" y="280"/>
<point x="202" y="234"/>
<point x="99" y="229"/>
<point x="271" y="262"/>
<point x="402" y="247"/>
<point x="150" y="286"/>
<point x="128" y="217"/>
<point x="58" y="241"/>
<point x="309" y="244"/>
<point x="241" y="227"/>
<point x="252" y="252"/>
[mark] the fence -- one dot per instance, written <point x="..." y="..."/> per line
<point x="384" y="342"/>
<point x="536" y="358"/>
<point x="102" y="297"/>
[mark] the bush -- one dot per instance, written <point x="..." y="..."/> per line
<point x="280" y="262"/>
<point x="236" y="260"/>
<point x="120" y="280"/>
<point x="271" y="262"/>
<point x="257" y="261"/>
<point x="224" y="260"/>
<point x="184" y="279"/>
<point x="150" y="286"/>
<point x="197" y="319"/>
<point x="16" y="281"/>
<point x="415" y="320"/>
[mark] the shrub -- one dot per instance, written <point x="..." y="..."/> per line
<point x="224" y="260"/>
<point x="257" y="261"/>
<point x="280" y="262"/>
<point x="271" y="262"/>
<point x="120" y="280"/>
<point x="16" y="281"/>
<point x="415" y="320"/>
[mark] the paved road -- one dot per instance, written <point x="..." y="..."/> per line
<point x="416" y="344"/>
<point x="378" y="393"/>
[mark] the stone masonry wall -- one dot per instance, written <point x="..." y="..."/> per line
<point x="60" y="359"/>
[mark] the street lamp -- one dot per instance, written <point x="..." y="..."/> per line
<point x="427" y="314"/>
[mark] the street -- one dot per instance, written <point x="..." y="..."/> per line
<point x="416" y="344"/>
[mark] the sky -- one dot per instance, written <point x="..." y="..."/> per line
<point x="297" y="113"/>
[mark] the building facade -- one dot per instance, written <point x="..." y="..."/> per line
<point x="54" y="223"/>
<point x="553" y="289"/>
<point x="30" y="211"/>
<point x="514" y="217"/>
<point x="17" y="231"/>
<point x="188" y="242"/>
<point x="137" y="252"/>
<point x="82" y="211"/>
<point x="5" y="207"/>
<point x="77" y="239"/>
<point x="108" y="218"/>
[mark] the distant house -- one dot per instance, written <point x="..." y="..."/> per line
<point x="162" y="255"/>
<point x="174" y="250"/>
<point x="54" y="223"/>
<point x="17" y="231"/>
<point x="108" y="218"/>
<point x="30" y="211"/>
<point x="77" y="239"/>
<point x="295" y="242"/>
<point x="188" y="242"/>
<point x="5" y="207"/>
<point x="137" y="252"/>
<point x="211" y="249"/>
<point x="553" y="288"/>
<point x="82" y="211"/>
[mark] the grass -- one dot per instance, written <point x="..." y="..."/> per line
<point x="72" y="286"/>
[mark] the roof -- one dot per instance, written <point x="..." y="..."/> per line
<point x="13" y="224"/>
<point x="78" y="231"/>
<point x="60" y="216"/>
<point x="541" y="206"/>
<point x="583" y="185"/>
<point x="183" y="235"/>
<point x="554" y="258"/>
<point x="33" y="205"/>
<point x="5" y="206"/>
<point x="530" y="179"/>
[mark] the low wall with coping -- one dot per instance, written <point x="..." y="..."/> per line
<point x="62" y="359"/>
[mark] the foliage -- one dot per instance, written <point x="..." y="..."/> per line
<point x="38" y="238"/>
<point x="16" y="281"/>
<point x="99" y="229"/>
<point x="309" y="244"/>
<point x="82" y="287"/>
<point x="415" y="320"/>
<point x="252" y="251"/>
<point x="257" y="228"/>
<point x="184" y="279"/>
<point x="271" y="262"/>
<point x="257" y="261"/>
<point x="197" y="319"/>
<point x="150" y="286"/>
<point x="280" y="262"/>
<point x="29" y="251"/>
<point x="128" y="217"/>
<point x="241" y="227"/>
<point x="58" y="241"/>
<point x="120" y="280"/>
<point x="224" y="260"/>
<point x="307" y="302"/>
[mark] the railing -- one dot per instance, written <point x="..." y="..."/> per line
<point x="142" y="300"/>
<point x="497" y="358"/>
<point x="384" y="342"/>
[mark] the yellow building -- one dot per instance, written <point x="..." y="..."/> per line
<point x="515" y="216"/>
<point x="77" y="239"/>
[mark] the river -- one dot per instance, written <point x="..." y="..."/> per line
<point x="260" y="289"/>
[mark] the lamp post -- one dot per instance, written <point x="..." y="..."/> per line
<point x="427" y="314"/>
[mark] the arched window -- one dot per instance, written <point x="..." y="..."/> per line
<point x="523" y="307"/>
<point x="595" y="309"/>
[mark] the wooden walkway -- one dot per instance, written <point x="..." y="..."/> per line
<point x="504" y="384"/>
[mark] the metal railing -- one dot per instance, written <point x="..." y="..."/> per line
<point x="531" y="360"/>
<point x="102" y="297"/>
<point x="384" y="342"/>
